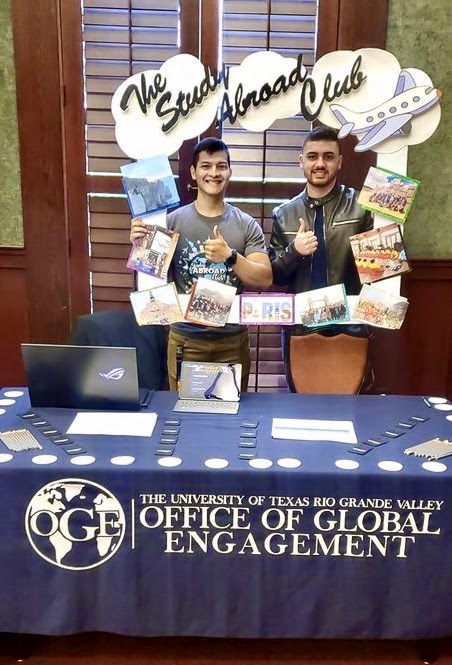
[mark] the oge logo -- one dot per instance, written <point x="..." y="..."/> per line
<point x="75" y="524"/>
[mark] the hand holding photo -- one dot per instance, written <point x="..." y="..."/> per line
<point x="388" y="193"/>
<point x="153" y="252"/>
<point x="379" y="253"/>
<point x="210" y="302"/>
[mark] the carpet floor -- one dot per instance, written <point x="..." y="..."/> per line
<point x="106" y="649"/>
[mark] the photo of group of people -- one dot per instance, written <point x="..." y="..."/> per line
<point x="388" y="193"/>
<point x="379" y="253"/>
<point x="210" y="303"/>
<point x="322" y="307"/>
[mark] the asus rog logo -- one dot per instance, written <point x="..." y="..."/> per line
<point x="114" y="374"/>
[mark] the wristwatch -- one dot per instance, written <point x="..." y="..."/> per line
<point x="232" y="259"/>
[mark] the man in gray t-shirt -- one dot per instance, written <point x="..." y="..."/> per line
<point x="219" y="242"/>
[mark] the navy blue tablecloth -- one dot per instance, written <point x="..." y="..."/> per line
<point x="314" y="551"/>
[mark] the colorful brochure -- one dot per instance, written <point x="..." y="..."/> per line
<point x="152" y="254"/>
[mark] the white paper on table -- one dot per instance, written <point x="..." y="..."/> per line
<point x="113" y="424"/>
<point x="342" y="431"/>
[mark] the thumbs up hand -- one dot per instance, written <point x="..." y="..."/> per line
<point x="216" y="248"/>
<point x="305" y="241"/>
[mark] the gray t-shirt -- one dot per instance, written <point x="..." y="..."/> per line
<point x="239" y="230"/>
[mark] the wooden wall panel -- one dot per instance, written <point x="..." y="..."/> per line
<point x="417" y="359"/>
<point x="346" y="25"/>
<point x="351" y="24"/>
<point x="39" y="108"/>
<point x="51" y="139"/>
<point x="13" y="315"/>
<point x="73" y="146"/>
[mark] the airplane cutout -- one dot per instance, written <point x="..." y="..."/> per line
<point x="391" y="118"/>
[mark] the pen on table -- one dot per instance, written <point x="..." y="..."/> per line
<point x="147" y="399"/>
<point x="179" y="357"/>
<point x="426" y="402"/>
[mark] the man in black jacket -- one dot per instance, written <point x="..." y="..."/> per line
<point x="309" y="244"/>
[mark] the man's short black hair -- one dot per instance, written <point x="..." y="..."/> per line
<point x="323" y="134"/>
<point x="210" y="145"/>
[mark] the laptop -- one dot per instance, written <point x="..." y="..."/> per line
<point x="209" y="387"/>
<point x="82" y="377"/>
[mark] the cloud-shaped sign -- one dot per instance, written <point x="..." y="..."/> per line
<point x="364" y="93"/>
<point x="394" y="108"/>
<point x="139" y="133"/>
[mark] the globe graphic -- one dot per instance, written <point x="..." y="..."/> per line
<point x="75" y="524"/>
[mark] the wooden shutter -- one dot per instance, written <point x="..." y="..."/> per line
<point x="121" y="38"/>
<point x="289" y="28"/>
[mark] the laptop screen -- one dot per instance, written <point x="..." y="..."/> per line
<point x="82" y="377"/>
<point x="215" y="381"/>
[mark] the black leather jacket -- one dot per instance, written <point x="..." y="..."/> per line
<point x="343" y="217"/>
